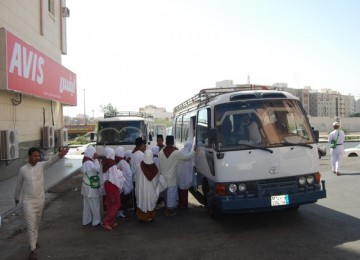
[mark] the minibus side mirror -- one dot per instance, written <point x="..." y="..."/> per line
<point x="316" y="134"/>
<point x="213" y="138"/>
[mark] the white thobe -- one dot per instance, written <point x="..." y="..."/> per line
<point x="185" y="170"/>
<point x="91" y="209"/>
<point x="125" y="168"/>
<point x="146" y="192"/>
<point x="336" y="154"/>
<point x="30" y="184"/>
<point x="168" y="166"/>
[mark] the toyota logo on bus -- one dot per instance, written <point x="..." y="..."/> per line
<point x="273" y="170"/>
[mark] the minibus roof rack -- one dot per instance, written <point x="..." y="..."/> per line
<point x="128" y="113"/>
<point x="207" y="94"/>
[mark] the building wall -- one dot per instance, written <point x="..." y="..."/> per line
<point x="357" y="106"/>
<point x="324" y="124"/>
<point x="157" y="112"/>
<point x="31" y="21"/>
<point x="23" y="18"/>
<point x="29" y="115"/>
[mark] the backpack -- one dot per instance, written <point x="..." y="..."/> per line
<point x="94" y="181"/>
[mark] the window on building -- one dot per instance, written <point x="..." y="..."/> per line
<point x="51" y="7"/>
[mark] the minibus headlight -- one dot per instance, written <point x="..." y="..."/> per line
<point x="232" y="188"/>
<point x="242" y="187"/>
<point x="302" y="180"/>
<point x="310" y="179"/>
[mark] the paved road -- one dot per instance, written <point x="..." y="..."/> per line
<point x="329" y="229"/>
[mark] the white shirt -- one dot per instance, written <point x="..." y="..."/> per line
<point x="31" y="180"/>
<point x="168" y="166"/>
<point x="340" y="139"/>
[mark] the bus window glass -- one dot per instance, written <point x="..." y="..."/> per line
<point x="202" y="127"/>
<point x="261" y="123"/>
<point x="178" y="128"/>
<point x="185" y="128"/>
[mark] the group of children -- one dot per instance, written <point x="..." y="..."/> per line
<point x="135" y="179"/>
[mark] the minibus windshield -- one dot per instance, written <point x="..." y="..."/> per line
<point x="261" y="123"/>
<point x="120" y="132"/>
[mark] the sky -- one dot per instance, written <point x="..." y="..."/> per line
<point x="161" y="52"/>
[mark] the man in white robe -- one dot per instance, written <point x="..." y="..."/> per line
<point x="137" y="155"/>
<point x="30" y="184"/>
<point x="168" y="160"/>
<point x="89" y="168"/>
<point x="336" y="153"/>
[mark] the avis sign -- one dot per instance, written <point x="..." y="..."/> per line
<point x="29" y="71"/>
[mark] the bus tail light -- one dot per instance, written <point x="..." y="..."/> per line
<point x="220" y="189"/>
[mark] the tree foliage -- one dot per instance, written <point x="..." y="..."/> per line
<point x="108" y="109"/>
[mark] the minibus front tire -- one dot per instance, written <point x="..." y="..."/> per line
<point x="212" y="209"/>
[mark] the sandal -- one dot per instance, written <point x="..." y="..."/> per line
<point x="107" y="227"/>
<point x="170" y="213"/>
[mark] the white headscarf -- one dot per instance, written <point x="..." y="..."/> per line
<point x="109" y="153"/>
<point x="113" y="174"/>
<point x="119" y="151"/>
<point x="128" y="154"/>
<point x="90" y="151"/>
<point x="184" y="176"/>
<point x="187" y="148"/>
<point x="148" y="157"/>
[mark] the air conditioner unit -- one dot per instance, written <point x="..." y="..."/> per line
<point x="9" y="145"/>
<point x="62" y="137"/>
<point x="65" y="12"/>
<point x="48" y="136"/>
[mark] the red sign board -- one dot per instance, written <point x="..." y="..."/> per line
<point x="30" y="71"/>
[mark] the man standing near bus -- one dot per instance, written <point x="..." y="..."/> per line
<point x="160" y="142"/>
<point x="337" y="136"/>
<point x="30" y="184"/>
<point x="168" y="160"/>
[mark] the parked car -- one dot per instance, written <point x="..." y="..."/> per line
<point x="321" y="151"/>
<point x="78" y="149"/>
<point x="87" y="136"/>
<point x="352" y="152"/>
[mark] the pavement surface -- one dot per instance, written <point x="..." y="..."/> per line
<point x="62" y="169"/>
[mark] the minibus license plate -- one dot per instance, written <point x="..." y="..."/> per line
<point x="279" y="200"/>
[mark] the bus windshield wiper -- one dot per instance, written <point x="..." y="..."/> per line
<point x="257" y="147"/>
<point x="298" y="144"/>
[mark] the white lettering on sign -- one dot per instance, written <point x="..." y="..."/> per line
<point x="27" y="64"/>
<point x="67" y="85"/>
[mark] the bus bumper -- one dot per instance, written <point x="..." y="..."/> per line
<point x="238" y="203"/>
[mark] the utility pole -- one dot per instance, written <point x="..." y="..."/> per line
<point x="84" y="110"/>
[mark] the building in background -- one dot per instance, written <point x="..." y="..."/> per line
<point x="34" y="85"/>
<point x="156" y="112"/>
